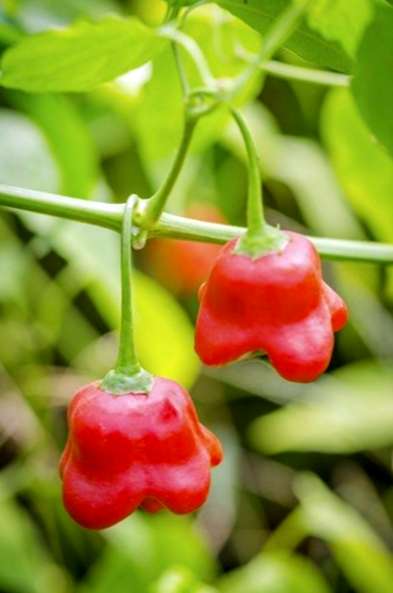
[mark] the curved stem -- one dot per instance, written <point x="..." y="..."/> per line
<point x="193" y="50"/>
<point x="260" y="237"/>
<point x="156" y="203"/>
<point x="189" y="9"/>
<point x="128" y="375"/>
<point x="255" y="216"/>
<point x="176" y="227"/>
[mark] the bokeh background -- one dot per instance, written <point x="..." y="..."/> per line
<point x="304" y="501"/>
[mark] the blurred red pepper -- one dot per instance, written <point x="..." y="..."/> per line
<point x="136" y="449"/>
<point x="182" y="266"/>
<point x="277" y="304"/>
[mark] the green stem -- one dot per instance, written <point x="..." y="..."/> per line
<point x="275" y="38"/>
<point x="312" y="75"/>
<point x="128" y="376"/>
<point x="97" y="213"/>
<point x="255" y="216"/>
<point x="155" y="205"/>
<point x="193" y="50"/>
<point x="109" y="216"/>
<point x="180" y="68"/>
<point x="127" y="361"/>
<point x="260" y="237"/>
<point x="289" y="534"/>
<point x="297" y="73"/>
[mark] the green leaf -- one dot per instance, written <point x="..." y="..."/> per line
<point x="361" y="555"/>
<point x="255" y="376"/>
<point x="180" y="580"/>
<point x="80" y="57"/>
<point x="142" y="547"/>
<point x="275" y="572"/>
<point x="181" y="2"/>
<point x="25" y="158"/>
<point x="165" y="123"/>
<point x="39" y="15"/>
<point x="363" y="167"/>
<point x="9" y="32"/>
<point x="372" y="85"/>
<point x="348" y="411"/>
<point x="343" y="21"/>
<point x="24" y="566"/>
<point x="307" y="43"/>
<point x="68" y="138"/>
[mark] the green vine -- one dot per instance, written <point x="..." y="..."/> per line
<point x="176" y="227"/>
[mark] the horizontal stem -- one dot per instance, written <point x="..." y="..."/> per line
<point x="298" y="73"/>
<point x="97" y="213"/>
<point x="288" y="71"/>
<point x="176" y="227"/>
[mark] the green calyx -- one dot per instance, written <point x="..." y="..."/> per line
<point x="119" y="383"/>
<point x="257" y="245"/>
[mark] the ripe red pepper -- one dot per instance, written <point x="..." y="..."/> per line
<point x="132" y="450"/>
<point x="182" y="266"/>
<point x="277" y="304"/>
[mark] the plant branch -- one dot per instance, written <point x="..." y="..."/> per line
<point x="312" y="75"/>
<point x="155" y="204"/>
<point x="289" y="534"/>
<point x="298" y="73"/>
<point x="180" y="69"/>
<point x="255" y="215"/>
<point x="176" y="227"/>
<point x="97" y="213"/>
<point x="193" y="50"/>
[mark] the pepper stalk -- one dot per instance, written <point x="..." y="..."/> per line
<point x="128" y="376"/>
<point x="260" y="238"/>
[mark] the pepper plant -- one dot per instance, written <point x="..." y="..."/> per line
<point x="135" y="440"/>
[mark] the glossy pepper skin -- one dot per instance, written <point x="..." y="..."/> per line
<point x="277" y="304"/>
<point x="126" y="451"/>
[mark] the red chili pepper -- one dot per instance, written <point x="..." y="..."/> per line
<point x="132" y="450"/>
<point x="277" y="304"/>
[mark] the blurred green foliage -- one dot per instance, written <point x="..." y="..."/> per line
<point x="304" y="500"/>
